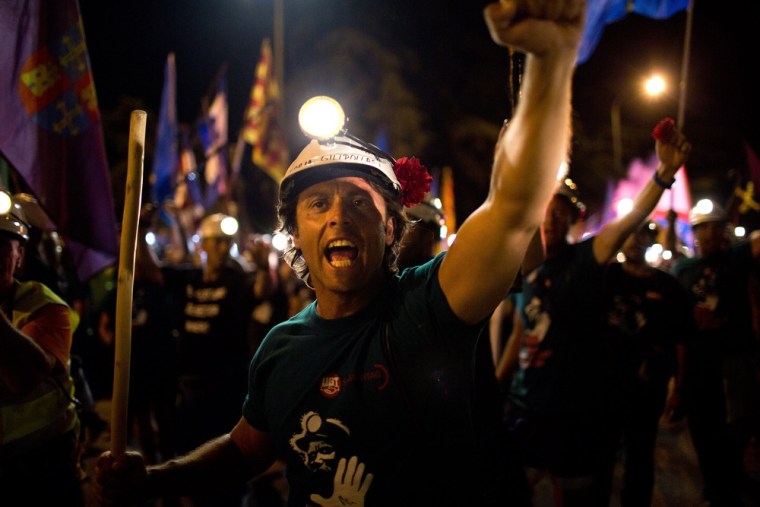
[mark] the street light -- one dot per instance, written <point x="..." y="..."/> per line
<point x="652" y="86"/>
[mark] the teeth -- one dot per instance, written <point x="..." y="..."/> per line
<point x="340" y="242"/>
<point x="341" y="261"/>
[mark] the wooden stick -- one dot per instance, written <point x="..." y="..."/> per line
<point x="132" y="200"/>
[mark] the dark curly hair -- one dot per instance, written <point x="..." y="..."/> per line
<point x="286" y="217"/>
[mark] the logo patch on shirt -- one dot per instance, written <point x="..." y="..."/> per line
<point x="330" y="385"/>
<point x="376" y="378"/>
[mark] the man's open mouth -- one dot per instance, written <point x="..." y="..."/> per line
<point x="341" y="253"/>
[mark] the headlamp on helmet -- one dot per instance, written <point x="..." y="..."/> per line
<point x="218" y="225"/>
<point x="321" y="118"/>
<point x="706" y="211"/>
<point x="334" y="153"/>
<point x="12" y="218"/>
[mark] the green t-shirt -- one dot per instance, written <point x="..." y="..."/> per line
<point x="326" y="389"/>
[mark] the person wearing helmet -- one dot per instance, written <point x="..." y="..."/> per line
<point x="562" y="396"/>
<point x="206" y="366"/>
<point x="387" y="356"/>
<point x="39" y="432"/>
<point x="721" y="393"/>
<point x="708" y="223"/>
<point x="422" y="238"/>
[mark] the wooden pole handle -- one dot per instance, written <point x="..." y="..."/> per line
<point x="123" y="344"/>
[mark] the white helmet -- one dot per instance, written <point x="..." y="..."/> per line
<point x="706" y="211"/>
<point x="12" y="217"/>
<point x="427" y="212"/>
<point x="218" y="225"/>
<point x="341" y="156"/>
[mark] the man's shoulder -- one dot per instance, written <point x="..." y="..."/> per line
<point x="423" y="270"/>
<point x="35" y="293"/>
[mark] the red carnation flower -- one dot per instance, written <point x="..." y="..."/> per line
<point x="664" y="130"/>
<point x="414" y="178"/>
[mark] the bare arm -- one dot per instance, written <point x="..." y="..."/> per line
<point x="492" y="242"/>
<point x="509" y="359"/>
<point x="672" y="155"/>
<point x="503" y="311"/>
<point x="227" y="460"/>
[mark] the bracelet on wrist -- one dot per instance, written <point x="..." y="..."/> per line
<point x="665" y="186"/>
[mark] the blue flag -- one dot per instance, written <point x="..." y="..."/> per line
<point x="166" y="156"/>
<point x="212" y="133"/>
<point x="50" y="126"/>
<point x="604" y="12"/>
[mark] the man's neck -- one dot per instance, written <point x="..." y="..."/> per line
<point x="337" y="305"/>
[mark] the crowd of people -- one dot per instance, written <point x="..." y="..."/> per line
<point x="367" y="364"/>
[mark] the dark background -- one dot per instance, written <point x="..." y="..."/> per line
<point x="427" y="76"/>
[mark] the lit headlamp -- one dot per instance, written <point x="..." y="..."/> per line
<point x="218" y="225"/>
<point x="12" y="217"/>
<point x="333" y="152"/>
<point x="321" y="118"/>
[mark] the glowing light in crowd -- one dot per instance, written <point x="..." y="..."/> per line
<point x="624" y="206"/>
<point x="150" y="238"/>
<point x="653" y="253"/>
<point x="321" y="118"/>
<point x="740" y="232"/>
<point x="279" y="241"/>
<point x="5" y="202"/>
<point x="704" y="206"/>
<point x="667" y="255"/>
<point x="229" y="226"/>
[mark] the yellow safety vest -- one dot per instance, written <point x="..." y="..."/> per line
<point x="28" y="420"/>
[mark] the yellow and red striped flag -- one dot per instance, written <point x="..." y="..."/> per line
<point x="260" y="128"/>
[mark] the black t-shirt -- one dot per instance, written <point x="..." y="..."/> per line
<point x="213" y="322"/>
<point x="646" y="317"/>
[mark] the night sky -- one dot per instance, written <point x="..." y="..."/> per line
<point x="447" y="46"/>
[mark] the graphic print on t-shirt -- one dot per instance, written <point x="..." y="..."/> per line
<point x="316" y="445"/>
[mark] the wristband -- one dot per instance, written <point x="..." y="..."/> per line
<point x="662" y="184"/>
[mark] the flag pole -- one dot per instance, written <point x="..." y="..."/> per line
<point x="685" y="66"/>
<point x="133" y="195"/>
<point x="684" y="80"/>
<point x="278" y="33"/>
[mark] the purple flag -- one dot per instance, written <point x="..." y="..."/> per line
<point x="604" y="12"/>
<point x="166" y="156"/>
<point x="50" y="127"/>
